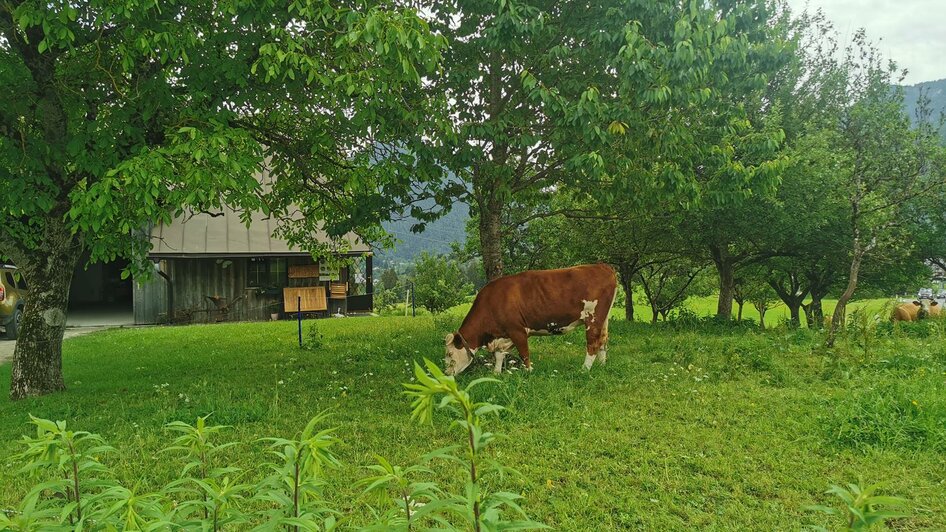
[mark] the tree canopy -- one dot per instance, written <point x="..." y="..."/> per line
<point x="121" y="115"/>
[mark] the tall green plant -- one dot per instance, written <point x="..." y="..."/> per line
<point x="213" y="492"/>
<point x="861" y="509"/>
<point x="296" y="480"/>
<point x="477" y="507"/>
<point x="71" y="459"/>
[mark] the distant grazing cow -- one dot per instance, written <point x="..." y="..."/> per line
<point x="510" y="309"/>
<point x="917" y="310"/>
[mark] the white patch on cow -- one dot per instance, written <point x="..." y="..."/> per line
<point x="503" y="345"/>
<point x="537" y="332"/>
<point x="589" y="309"/>
<point x="571" y="326"/>
<point x="500" y="356"/>
<point x="589" y="360"/>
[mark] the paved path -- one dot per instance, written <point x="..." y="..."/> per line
<point x="7" y="346"/>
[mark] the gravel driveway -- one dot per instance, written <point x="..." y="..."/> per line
<point x="7" y="346"/>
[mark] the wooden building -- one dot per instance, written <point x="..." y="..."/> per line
<point x="216" y="268"/>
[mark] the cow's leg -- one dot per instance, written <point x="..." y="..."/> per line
<point x="500" y="356"/>
<point x="602" y="320"/>
<point x="521" y="341"/>
<point x="602" y="355"/>
<point x="596" y="336"/>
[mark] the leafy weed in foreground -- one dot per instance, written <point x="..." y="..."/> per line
<point x="83" y="493"/>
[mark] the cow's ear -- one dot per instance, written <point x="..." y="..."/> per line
<point x="448" y="339"/>
<point x="917" y="303"/>
<point x="933" y="303"/>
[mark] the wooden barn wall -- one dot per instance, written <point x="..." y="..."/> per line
<point x="193" y="280"/>
<point x="196" y="279"/>
<point x="150" y="301"/>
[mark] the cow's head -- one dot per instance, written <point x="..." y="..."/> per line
<point x="458" y="356"/>
<point x="925" y="306"/>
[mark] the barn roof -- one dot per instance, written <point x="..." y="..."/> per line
<point x="224" y="234"/>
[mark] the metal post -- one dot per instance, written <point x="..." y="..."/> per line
<point x="413" y="305"/>
<point x="299" y="318"/>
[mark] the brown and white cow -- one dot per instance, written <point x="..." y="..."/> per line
<point x="917" y="310"/>
<point x="542" y="302"/>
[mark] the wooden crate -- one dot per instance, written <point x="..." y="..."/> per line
<point x="338" y="290"/>
<point x="313" y="299"/>
<point x="304" y="271"/>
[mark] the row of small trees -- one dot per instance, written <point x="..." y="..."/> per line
<point x="837" y="188"/>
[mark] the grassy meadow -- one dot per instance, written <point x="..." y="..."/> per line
<point x="696" y="427"/>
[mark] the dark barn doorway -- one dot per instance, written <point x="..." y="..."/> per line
<point x="99" y="295"/>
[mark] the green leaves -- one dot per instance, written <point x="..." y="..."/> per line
<point x="478" y="508"/>
<point x="861" y="508"/>
<point x="210" y="495"/>
<point x="439" y="283"/>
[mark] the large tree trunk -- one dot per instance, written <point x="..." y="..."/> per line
<point x="789" y="290"/>
<point x="817" y="312"/>
<point x="629" y="308"/>
<point x="794" y="313"/>
<point x="837" y="319"/>
<point x="491" y="245"/>
<point x="727" y="282"/>
<point x="626" y="274"/>
<point x="48" y="270"/>
<point x="819" y="283"/>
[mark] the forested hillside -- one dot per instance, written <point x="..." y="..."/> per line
<point x="436" y="238"/>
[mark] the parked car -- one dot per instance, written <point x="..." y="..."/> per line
<point x="941" y="294"/>
<point x="925" y="293"/>
<point x="13" y="293"/>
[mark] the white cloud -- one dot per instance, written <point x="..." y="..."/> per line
<point x="910" y="32"/>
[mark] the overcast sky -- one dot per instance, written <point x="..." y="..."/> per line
<point x="911" y="32"/>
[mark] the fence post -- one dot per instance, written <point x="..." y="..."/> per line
<point x="413" y="305"/>
<point x="299" y="317"/>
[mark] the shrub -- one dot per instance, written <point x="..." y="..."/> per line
<point x="313" y="338"/>
<point x="439" y="283"/>
<point x="386" y="299"/>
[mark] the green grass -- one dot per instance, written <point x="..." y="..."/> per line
<point x="714" y="428"/>
<point x="706" y="306"/>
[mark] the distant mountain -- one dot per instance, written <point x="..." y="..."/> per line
<point x="436" y="237"/>
<point x="935" y="91"/>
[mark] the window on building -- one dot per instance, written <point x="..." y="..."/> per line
<point x="265" y="272"/>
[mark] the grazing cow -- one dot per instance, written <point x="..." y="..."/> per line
<point x="917" y="310"/>
<point x="510" y="309"/>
